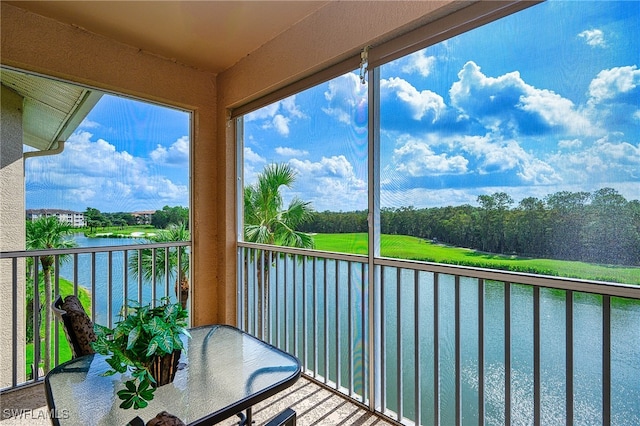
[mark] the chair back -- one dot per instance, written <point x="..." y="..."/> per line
<point x="78" y="327"/>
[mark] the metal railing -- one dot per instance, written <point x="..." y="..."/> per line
<point x="107" y="277"/>
<point x="450" y="344"/>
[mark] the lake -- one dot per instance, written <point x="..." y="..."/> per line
<point x="117" y="276"/>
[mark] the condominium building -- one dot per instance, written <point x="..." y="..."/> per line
<point x="75" y="219"/>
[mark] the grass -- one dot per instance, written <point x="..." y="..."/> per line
<point x="64" y="351"/>
<point x="407" y="247"/>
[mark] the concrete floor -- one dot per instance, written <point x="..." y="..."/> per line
<point x="313" y="404"/>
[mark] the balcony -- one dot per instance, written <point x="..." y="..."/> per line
<point x="510" y="348"/>
<point x="105" y="274"/>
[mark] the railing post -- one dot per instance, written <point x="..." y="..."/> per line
<point x="606" y="360"/>
<point x="569" y="356"/>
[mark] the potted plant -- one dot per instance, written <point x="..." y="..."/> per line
<point x="147" y="343"/>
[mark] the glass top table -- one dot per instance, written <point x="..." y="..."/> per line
<point x="226" y="372"/>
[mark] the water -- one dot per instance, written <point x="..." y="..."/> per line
<point x="101" y="296"/>
<point x="334" y="295"/>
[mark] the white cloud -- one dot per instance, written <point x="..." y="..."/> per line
<point x="346" y="100"/>
<point x="594" y="38"/>
<point x="177" y="154"/>
<point x="602" y="161"/>
<point x="421" y="103"/>
<point x="416" y="158"/>
<point x="290" y="152"/>
<point x="420" y="63"/>
<point x="290" y="106"/>
<point x="508" y="105"/>
<point x="336" y="166"/>
<point x="263" y="113"/>
<point x="613" y="82"/>
<point x="281" y="124"/>
<point x="556" y="111"/>
<point x="277" y="115"/>
<point x="88" y="124"/>
<point x="503" y="156"/>
<point x="94" y="173"/>
<point x="329" y="184"/>
<point x="252" y="157"/>
<point x="570" y="144"/>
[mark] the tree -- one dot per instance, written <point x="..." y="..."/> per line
<point x="48" y="233"/>
<point x="267" y="222"/>
<point x="93" y="218"/>
<point x="493" y="218"/>
<point x="162" y="219"/>
<point x="148" y="261"/>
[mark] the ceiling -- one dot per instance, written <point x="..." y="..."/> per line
<point x="208" y="35"/>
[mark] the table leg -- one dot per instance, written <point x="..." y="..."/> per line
<point x="245" y="419"/>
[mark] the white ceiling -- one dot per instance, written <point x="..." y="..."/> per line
<point x="208" y="35"/>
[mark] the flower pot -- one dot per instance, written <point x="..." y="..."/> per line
<point x="163" y="368"/>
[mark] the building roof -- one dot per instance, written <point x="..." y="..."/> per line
<point x="52" y="110"/>
<point x="51" y="211"/>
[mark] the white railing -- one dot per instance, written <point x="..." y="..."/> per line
<point x="106" y="275"/>
<point x="440" y="344"/>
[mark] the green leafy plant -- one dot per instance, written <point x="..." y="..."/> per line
<point x="132" y="345"/>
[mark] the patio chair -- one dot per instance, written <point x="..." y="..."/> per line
<point x="285" y="418"/>
<point x="78" y="327"/>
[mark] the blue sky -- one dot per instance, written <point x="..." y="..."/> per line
<point x="542" y="101"/>
<point x="125" y="156"/>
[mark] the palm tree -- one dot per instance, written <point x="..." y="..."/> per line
<point x="173" y="233"/>
<point x="267" y="222"/>
<point x="48" y="233"/>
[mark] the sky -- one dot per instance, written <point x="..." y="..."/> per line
<point x="542" y="101"/>
<point x="125" y="156"/>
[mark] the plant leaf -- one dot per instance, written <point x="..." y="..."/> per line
<point x="128" y="402"/>
<point x="147" y="394"/>
<point x="130" y="385"/>
<point x="162" y="342"/>
<point x="152" y="348"/>
<point x="116" y="363"/>
<point x="140" y="403"/>
<point x="133" y="336"/>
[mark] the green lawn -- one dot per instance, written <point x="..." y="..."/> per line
<point x="407" y="247"/>
<point x="64" y="352"/>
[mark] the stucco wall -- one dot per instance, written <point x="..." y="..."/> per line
<point x="13" y="229"/>
<point x="337" y="31"/>
<point x="34" y="43"/>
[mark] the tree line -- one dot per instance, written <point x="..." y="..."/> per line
<point x="598" y="227"/>
<point x="161" y="219"/>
